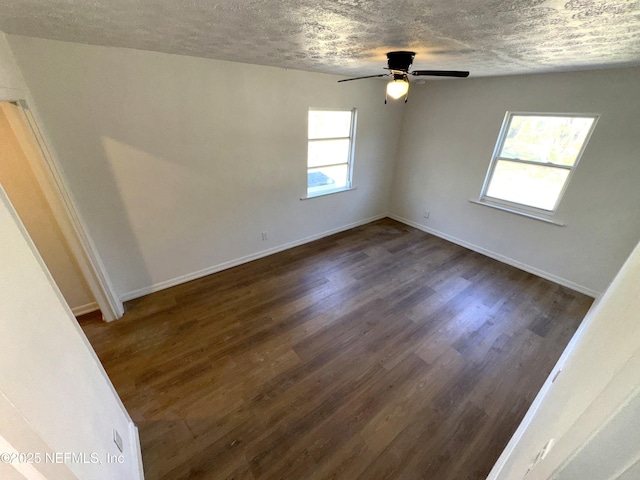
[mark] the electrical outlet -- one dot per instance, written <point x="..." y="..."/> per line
<point x="264" y="236"/>
<point x="117" y="439"/>
<point x="426" y="214"/>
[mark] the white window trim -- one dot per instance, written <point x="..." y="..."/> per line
<point x="329" y="192"/>
<point x="352" y="144"/>
<point x="556" y="222"/>
<point x="518" y="208"/>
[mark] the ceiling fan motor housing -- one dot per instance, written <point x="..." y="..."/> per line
<point x="400" y="60"/>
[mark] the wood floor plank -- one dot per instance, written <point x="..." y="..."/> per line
<point x="381" y="352"/>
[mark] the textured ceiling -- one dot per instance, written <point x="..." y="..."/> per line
<point x="350" y="37"/>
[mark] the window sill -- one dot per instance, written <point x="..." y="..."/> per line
<point x="329" y="192"/>
<point x="517" y="212"/>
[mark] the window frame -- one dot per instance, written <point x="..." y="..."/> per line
<point x="515" y="207"/>
<point x="351" y="151"/>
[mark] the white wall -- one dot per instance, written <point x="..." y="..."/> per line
<point x="179" y="163"/>
<point x="588" y="405"/>
<point x="448" y="136"/>
<point x="53" y="390"/>
<point x="20" y="183"/>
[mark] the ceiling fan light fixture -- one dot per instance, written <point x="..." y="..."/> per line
<point x="397" y="88"/>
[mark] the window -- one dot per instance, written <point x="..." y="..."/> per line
<point x="534" y="159"/>
<point x="330" y="150"/>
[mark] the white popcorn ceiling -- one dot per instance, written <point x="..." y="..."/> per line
<point x="351" y="37"/>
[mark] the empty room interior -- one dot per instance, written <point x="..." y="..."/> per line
<point x="320" y="240"/>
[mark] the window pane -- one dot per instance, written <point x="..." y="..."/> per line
<point x="327" y="178"/>
<point x="329" y="124"/>
<point x="328" y="152"/>
<point x="533" y="185"/>
<point x="546" y="139"/>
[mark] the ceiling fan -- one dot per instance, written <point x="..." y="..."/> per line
<point x="398" y="64"/>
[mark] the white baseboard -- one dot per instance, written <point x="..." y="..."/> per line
<point x="239" y="261"/>
<point x="82" y="309"/>
<point x="501" y="258"/>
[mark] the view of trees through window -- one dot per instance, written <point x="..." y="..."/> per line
<point x="535" y="158"/>
<point x="546" y="139"/>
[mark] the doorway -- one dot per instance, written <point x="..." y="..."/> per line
<point x="29" y="180"/>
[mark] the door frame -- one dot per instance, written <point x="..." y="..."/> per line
<point x="66" y="213"/>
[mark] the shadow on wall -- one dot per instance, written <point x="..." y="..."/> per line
<point x="183" y="172"/>
<point x="153" y="207"/>
<point x="156" y="182"/>
<point x="101" y="204"/>
<point x="177" y="169"/>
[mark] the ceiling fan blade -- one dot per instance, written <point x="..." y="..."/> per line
<point x="441" y="73"/>
<point x="360" y="78"/>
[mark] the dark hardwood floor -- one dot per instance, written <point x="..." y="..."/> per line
<point x="377" y="353"/>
